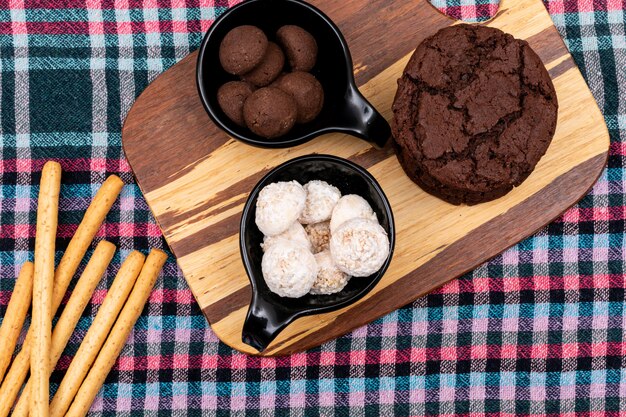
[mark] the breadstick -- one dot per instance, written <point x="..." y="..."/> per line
<point x="15" y="377"/>
<point x="47" y="218"/>
<point x="97" y="333"/>
<point x="87" y="229"/>
<point x="79" y="299"/>
<point x="15" y="315"/>
<point x="119" y="334"/>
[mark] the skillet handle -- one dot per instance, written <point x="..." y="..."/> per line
<point x="361" y="119"/>
<point x="263" y="323"/>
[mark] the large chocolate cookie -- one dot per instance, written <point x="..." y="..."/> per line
<point x="474" y="112"/>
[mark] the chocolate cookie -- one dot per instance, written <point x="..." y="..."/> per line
<point x="270" y="112"/>
<point x="474" y="112"/>
<point x="231" y="97"/>
<point x="269" y="68"/>
<point x="306" y="91"/>
<point x="300" y="47"/>
<point x="242" y="49"/>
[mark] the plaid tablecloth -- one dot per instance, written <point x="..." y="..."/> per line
<point x="536" y="331"/>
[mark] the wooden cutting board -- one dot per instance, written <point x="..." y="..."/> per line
<point x="196" y="179"/>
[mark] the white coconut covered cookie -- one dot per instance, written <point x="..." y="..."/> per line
<point x="349" y="207"/>
<point x="289" y="269"/>
<point x="295" y="233"/>
<point x="359" y="247"/>
<point x="330" y="279"/>
<point x="319" y="235"/>
<point x="315" y="240"/>
<point x="278" y="206"/>
<point x="321" y="199"/>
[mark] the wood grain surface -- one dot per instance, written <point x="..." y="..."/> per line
<point x="196" y="179"/>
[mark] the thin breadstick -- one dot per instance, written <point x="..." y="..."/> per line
<point x="79" y="299"/>
<point x="119" y="334"/>
<point x="87" y="229"/>
<point x="47" y="218"/>
<point x="15" y="315"/>
<point x="97" y="333"/>
<point x="15" y="377"/>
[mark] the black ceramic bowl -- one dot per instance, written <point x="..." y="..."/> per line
<point x="269" y="313"/>
<point x="345" y="109"/>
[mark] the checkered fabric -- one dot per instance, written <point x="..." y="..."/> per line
<point x="468" y="10"/>
<point x="536" y="331"/>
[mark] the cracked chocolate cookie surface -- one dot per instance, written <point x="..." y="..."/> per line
<point x="474" y="112"/>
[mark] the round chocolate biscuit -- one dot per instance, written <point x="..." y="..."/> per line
<point x="270" y="112"/>
<point x="231" y="97"/>
<point x="269" y="68"/>
<point x="242" y="49"/>
<point x="474" y="112"/>
<point x="306" y="91"/>
<point x="300" y="47"/>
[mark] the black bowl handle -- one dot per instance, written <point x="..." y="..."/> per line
<point x="263" y="323"/>
<point x="361" y="119"/>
